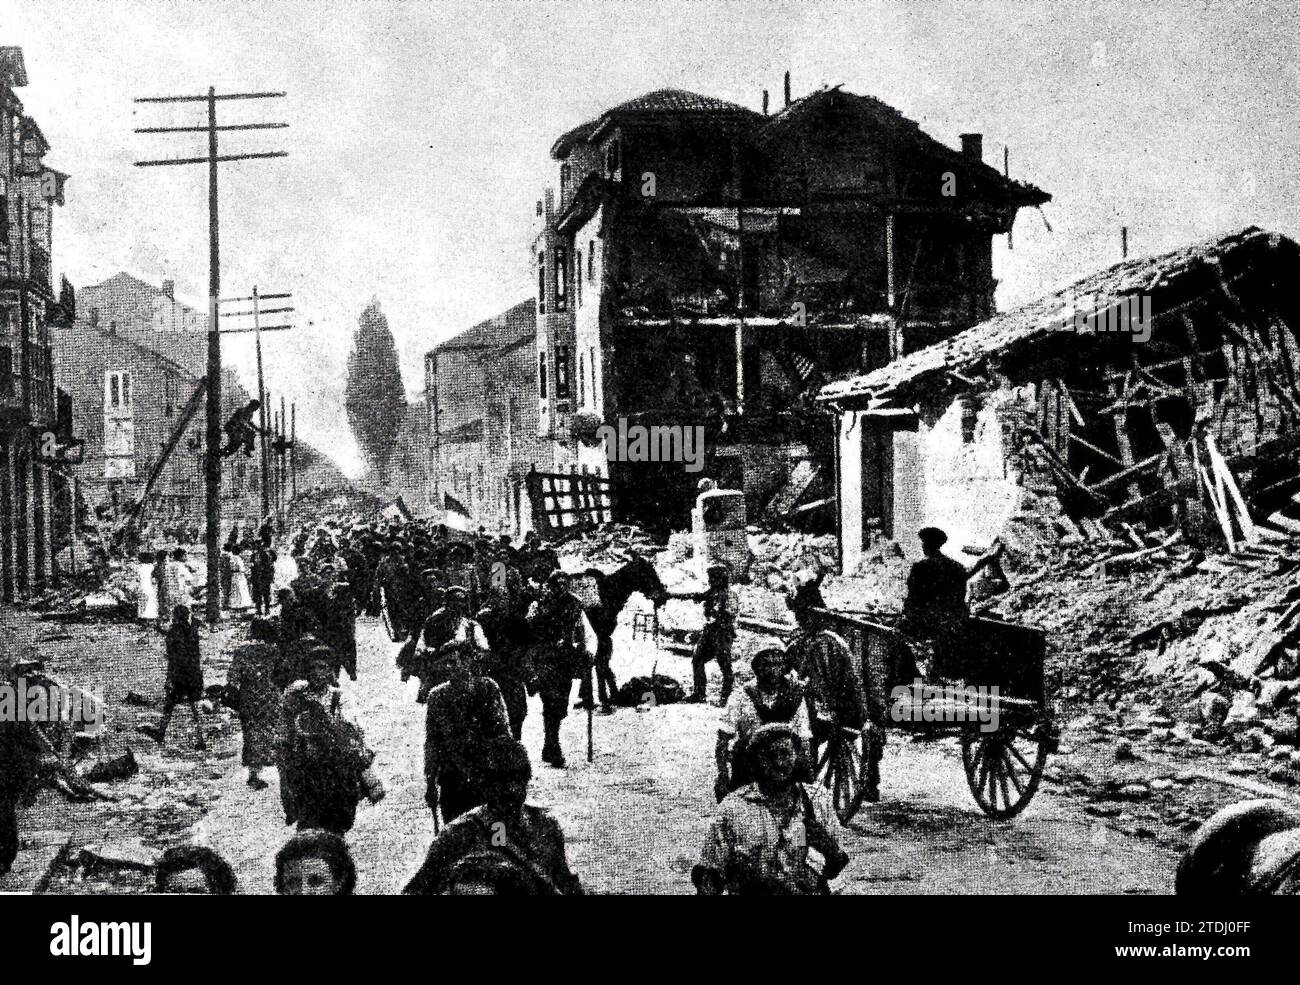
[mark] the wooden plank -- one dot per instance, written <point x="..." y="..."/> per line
<point x="1225" y="522"/>
<point x="1093" y="448"/>
<point x="1227" y="482"/>
<point x="1128" y="473"/>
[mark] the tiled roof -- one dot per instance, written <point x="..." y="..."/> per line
<point x="1034" y="327"/>
<point x="885" y="116"/>
<point x="659" y="101"/>
<point x="500" y="330"/>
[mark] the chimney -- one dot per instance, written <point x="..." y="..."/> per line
<point x="169" y="289"/>
<point x="765" y="102"/>
<point x="787" y="88"/>
<point x="972" y="145"/>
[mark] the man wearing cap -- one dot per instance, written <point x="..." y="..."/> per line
<point x="464" y="713"/>
<point x="773" y="697"/>
<point x="525" y="837"/>
<point x="447" y="630"/>
<point x="935" y="608"/>
<point x="719" y="632"/>
<point x="772" y="837"/>
<point x="563" y="644"/>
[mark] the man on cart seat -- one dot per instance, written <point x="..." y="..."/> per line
<point x="935" y="611"/>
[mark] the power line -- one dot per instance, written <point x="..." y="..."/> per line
<point x="257" y="328"/>
<point x="212" y="462"/>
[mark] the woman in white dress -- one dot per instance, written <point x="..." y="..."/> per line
<point x="241" y="597"/>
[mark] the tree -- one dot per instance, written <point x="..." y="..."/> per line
<point x="375" y="398"/>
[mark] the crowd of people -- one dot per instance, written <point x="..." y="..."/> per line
<point x="482" y="623"/>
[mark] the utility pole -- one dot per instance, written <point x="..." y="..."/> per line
<point x="257" y="329"/>
<point x="212" y="462"/>
<point x="293" y="451"/>
<point x="284" y="471"/>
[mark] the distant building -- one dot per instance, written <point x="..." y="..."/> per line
<point x="132" y="361"/>
<point x="481" y="398"/>
<point x="708" y="265"/>
<point x="35" y="425"/>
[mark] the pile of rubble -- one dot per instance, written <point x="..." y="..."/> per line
<point x="1200" y="647"/>
<point x="607" y="547"/>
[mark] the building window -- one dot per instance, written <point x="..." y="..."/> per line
<point x="118" y="391"/>
<point x="591" y="258"/>
<point x="561" y="372"/>
<point x="582" y="380"/>
<point x="591" y="361"/>
<point x="541" y="374"/>
<point x="561" y="278"/>
<point x="4" y="215"/>
<point x="541" y="283"/>
<point x="577" y="277"/>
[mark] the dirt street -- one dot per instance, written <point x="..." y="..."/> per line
<point x="635" y="816"/>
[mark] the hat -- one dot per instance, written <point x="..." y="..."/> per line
<point x="457" y="592"/>
<point x="932" y="537"/>
<point x="557" y="575"/>
<point x="769" y="733"/>
<point x="718" y="568"/>
<point x="504" y="756"/>
<point x="769" y="651"/>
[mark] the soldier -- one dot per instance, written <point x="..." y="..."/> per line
<point x="464" y="713"/>
<point x="444" y="631"/>
<point x="563" y="646"/>
<point x="393" y="590"/>
<point x="507" y="634"/>
<point x="527" y="838"/>
<point x="719" y="631"/>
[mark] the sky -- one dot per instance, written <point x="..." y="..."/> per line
<point x="419" y="136"/>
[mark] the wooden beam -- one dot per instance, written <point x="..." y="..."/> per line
<point x="1127" y="474"/>
<point x="1093" y="448"/>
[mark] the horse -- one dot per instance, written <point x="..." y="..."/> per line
<point x="1247" y="849"/>
<point x="614" y="589"/>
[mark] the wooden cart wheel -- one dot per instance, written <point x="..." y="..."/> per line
<point x="1004" y="768"/>
<point x="839" y="750"/>
<point x="842" y="769"/>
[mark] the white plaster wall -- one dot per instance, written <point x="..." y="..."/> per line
<point x="971" y="490"/>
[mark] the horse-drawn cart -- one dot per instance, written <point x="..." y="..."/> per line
<point x="993" y="699"/>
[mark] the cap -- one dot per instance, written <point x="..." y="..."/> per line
<point x="932" y="536"/>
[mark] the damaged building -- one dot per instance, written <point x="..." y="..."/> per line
<point x="708" y="265"/>
<point x="37" y="447"/>
<point x="481" y="401"/>
<point x="1161" y="392"/>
